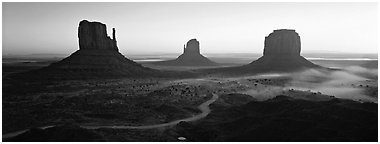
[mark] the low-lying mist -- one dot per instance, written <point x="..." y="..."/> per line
<point x="348" y="83"/>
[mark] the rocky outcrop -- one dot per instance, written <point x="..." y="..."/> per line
<point x="98" y="57"/>
<point x="282" y="50"/>
<point x="282" y="42"/>
<point x="282" y="53"/>
<point x="93" y="35"/>
<point x="191" y="57"/>
<point x="192" y="47"/>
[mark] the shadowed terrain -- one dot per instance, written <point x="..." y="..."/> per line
<point x="96" y="94"/>
<point x="286" y="119"/>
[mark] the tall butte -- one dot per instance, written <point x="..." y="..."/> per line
<point x="282" y="49"/>
<point x="98" y="57"/>
<point x="191" y="57"/>
<point x="282" y="52"/>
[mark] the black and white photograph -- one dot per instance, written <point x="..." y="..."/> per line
<point x="173" y="71"/>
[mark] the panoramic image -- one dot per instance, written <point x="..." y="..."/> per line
<point x="189" y="72"/>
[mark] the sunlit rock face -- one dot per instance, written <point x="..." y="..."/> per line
<point x="282" y="42"/>
<point x="191" y="56"/>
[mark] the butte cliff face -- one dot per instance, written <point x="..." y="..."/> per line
<point x="282" y="42"/>
<point x="282" y="53"/>
<point x="191" y="57"/>
<point x="282" y="50"/>
<point x="93" y="36"/>
<point x="191" y="48"/>
<point x="98" y="57"/>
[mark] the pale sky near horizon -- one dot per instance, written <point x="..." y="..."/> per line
<point x="153" y="28"/>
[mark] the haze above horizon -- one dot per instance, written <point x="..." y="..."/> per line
<point x="145" y="28"/>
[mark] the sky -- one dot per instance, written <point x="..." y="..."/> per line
<point x="154" y="28"/>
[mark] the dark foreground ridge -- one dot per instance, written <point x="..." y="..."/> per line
<point x="239" y="117"/>
<point x="98" y="57"/>
<point x="191" y="57"/>
<point x="281" y="54"/>
<point x="285" y="119"/>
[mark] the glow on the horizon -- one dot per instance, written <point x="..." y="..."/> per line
<point x="144" y="28"/>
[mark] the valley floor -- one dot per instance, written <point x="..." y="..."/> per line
<point x="270" y="107"/>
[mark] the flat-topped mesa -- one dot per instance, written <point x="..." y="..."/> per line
<point x="191" y="57"/>
<point x="93" y="36"/>
<point x="192" y="46"/>
<point x="282" y="42"/>
<point x="281" y="54"/>
<point x="98" y="57"/>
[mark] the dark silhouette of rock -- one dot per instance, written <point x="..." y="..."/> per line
<point x="192" y="47"/>
<point x="98" y="57"/>
<point x="93" y="35"/>
<point x="281" y="54"/>
<point x="282" y="42"/>
<point x="191" y="57"/>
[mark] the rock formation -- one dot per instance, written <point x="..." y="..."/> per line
<point x="282" y="50"/>
<point x="282" y="42"/>
<point x="191" y="48"/>
<point x="191" y="57"/>
<point x="98" y="57"/>
<point x="93" y="35"/>
<point x="282" y="53"/>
